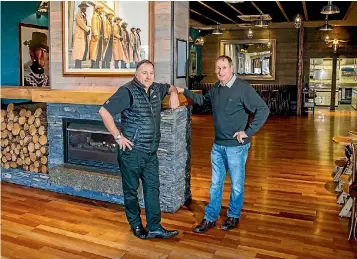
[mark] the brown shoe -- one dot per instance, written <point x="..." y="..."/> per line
<point x="204" y="226"/>
<point x="230" y="223"/>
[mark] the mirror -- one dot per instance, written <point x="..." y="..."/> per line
<point x="252" y="59"/>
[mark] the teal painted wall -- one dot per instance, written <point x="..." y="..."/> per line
<point x="13" y="13"/>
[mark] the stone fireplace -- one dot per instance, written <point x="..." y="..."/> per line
<point x="82" y="153"/>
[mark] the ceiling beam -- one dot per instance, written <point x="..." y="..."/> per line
<point x="256" y="7"/>
<point x="348" y="11"/>
<point x="283" y="25"/>
<point x="214" y="10"/>
<point x="205" y="16"/>
<point x="194" y="23"/>
<point x="305" y="10"/>
<point x="282" y="11"/>
<point x="234" y="8"/>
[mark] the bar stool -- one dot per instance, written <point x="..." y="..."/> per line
<point x="352" y="133"/>
<point x="285" y="100"/>
<point x="352" y="142"/>
<point x="274" y="101"/>
<point x="265" y="95"/>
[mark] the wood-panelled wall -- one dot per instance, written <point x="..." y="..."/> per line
<point x="286" y="53"/>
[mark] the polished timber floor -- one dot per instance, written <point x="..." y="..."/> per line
<point x="289" y="210"/>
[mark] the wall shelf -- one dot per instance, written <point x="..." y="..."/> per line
<point x="47" y="95"/>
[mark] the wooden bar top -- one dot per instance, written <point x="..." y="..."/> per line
<point x="47" y="95"/>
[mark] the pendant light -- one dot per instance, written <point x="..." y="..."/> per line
<point x="327" y="39"/>
<point x="330" y="8"/>
<point x="269" y="42"/>
<point x="261" y="23"/>
<point x="250" y="34"/>
<point x="298" y="21"/>
<point x="326" y="26"/>
<point x="217" y="30"/>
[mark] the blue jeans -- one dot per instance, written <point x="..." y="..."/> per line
<point x="222" y="159"/>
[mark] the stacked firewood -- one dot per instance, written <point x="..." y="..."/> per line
<point x="24" y="137"/>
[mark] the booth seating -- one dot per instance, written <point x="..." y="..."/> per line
<point x="345" y="175"/>
<point x="281" y="99"/>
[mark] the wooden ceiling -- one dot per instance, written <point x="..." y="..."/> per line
<point x="226" y="12"/>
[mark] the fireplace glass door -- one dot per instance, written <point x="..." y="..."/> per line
<point x="89" y="143"/>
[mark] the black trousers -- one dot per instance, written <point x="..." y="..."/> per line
<point x="135" y="165"/>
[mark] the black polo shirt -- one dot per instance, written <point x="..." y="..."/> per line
<point x="122" y="99"/>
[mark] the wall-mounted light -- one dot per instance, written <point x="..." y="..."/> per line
<point x="269" y="42"/>
<point x="250" y="34"/>
<point x="330" y="8"/>
<point x="298" y="21"/>
<point x="327" y="39"/>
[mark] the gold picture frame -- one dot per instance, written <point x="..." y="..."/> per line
<point x="96" y="43"/>
<point x="267" y="52"/>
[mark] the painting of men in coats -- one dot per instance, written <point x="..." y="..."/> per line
<point x="105" y="37"/>
<point x="80" y="39"/>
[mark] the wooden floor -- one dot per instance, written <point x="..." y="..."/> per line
<point x="289" y="210"/>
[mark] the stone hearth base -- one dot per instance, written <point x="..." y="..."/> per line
<point x="174" y="156"/>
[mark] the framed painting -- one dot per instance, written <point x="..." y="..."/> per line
<point x="34" y="55"/>
<point x="106" y="38"/>
<point x="181" y="65"/>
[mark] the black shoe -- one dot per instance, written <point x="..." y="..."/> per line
<point x="161" y="233"/>
<point x="140" y="232"/>
<point x="230" y="223"/>
<point x="204" y="226"/>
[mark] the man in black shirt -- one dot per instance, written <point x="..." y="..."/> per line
<point x="232" y="100"/>
<point x="139" y="102"/>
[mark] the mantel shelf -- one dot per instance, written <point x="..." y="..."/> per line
<point x="47" y="95"/>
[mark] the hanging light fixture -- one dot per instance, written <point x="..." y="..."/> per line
<point x="261" y="23"/>
<point x="327" y="39"/>
<point x="326" y="26"/>
<point x="42" y="9"/>
<point x="330" y="8"/>
<point x="217" y="30"/>
<point x="250" y="34"/>
<point x="269" y="42"/>
<point x="199" y="41"/>
<point x="298" y="21"/>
